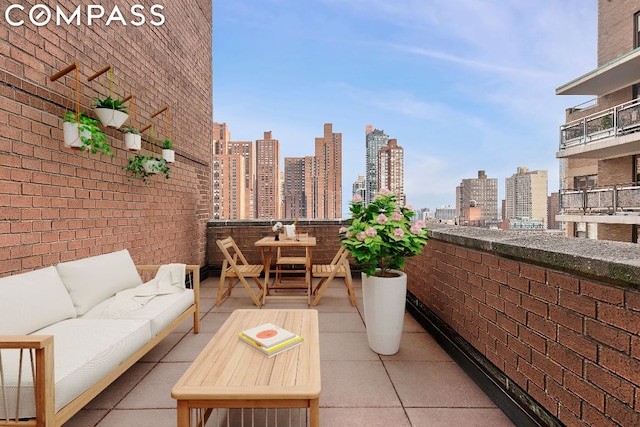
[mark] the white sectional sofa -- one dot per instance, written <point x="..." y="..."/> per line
<point x="81" y="324"/>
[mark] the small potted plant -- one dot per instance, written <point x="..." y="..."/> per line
<point x="83" y="133"/>
<point x="167" y="151"/>
<point x="111" y="112"/>
<point x="144" y="166"/>
<point x="132" y="138"/>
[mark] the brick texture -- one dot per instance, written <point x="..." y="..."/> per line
<point x="571" y="342"/>
<point x="57" y="204"/>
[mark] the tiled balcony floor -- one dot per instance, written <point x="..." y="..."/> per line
<point x="419" y="386"/>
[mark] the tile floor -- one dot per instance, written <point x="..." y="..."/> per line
<point x="419" y="386"/>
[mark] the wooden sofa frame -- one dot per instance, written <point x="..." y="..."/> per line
<point x="44" y="384"/>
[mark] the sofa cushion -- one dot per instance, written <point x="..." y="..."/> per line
<point x="85" y="350"/>
<point x="30" y="301"/>
<point x="94" y="279"/>
<point x="161" y="310"/>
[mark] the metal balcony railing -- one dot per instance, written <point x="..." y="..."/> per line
<point x="617" y="121"/>
<point x="601" y="200"/>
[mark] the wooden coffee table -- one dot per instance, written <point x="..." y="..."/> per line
<point x="230" y="374"/>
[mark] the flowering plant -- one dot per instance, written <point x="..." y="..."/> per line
<point x="277" y="227"/>
<point x="381" y="235"/>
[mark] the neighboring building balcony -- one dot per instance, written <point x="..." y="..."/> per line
<point x="611" y="205"/>
<point x="606" y="134"/>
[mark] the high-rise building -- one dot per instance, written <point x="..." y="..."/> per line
<point x="391" y="169"/>
<point x="526" y="195"/>
<point x="228" y="186"/>
<point x="481" y="192"/>
<point x="554" y="209"/>
<point x="599" y="145"/>
<point x="375" y="140"/>
<point x="295" y="200"/>
<point x="328" y="159"/>
<point x="359" y="187"/>
<point x="267" y="186"/>
<point x="245" y="149"/>
<point x="221" y="136"/>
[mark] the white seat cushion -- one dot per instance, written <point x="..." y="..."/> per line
<point x="85" y="350"/>
<point x="33" y="300"/>
<point x="94" y="279"/>
<point x="161" y="310"/>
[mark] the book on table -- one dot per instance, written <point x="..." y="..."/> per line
<point x="270" y="339"/>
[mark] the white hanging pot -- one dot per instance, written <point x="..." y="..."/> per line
<point x="169" y="155"/>
<point x="111" y="118"/>
<point x="384" y="300"/>
<point x="151" y="166"/>
<point x="133" y="141"/>
<point x="72" y="135"/>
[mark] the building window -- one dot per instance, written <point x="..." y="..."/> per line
<point x="636" y="30"/>
<point x="585" y="181"/>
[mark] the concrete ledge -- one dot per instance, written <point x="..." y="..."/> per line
<point x="612" y="262"/>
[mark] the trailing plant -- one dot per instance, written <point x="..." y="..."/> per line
<point x="108" y="102"/>
<point x="167" y="144"/>
<point x="137" y="167"/>
<point x="98" y="141"/>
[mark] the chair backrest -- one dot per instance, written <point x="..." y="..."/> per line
<point x="231" y="252"/>
<point x="338" y="255"/>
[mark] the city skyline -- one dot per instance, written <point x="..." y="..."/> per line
<point x="458" y="97"/>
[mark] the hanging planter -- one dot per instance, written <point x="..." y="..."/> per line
<point x="167" y="151"/>
<point x="132" y="139"/>
<point x="83" y="133"/>
<point x="145" y="166"/>
<point x="110" y="112"/>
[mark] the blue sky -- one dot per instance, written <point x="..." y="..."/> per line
<point x="463" y="85"/>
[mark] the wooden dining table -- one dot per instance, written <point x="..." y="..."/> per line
<point x="267" y="245"/>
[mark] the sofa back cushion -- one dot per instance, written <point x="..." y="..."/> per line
<point x="94" y="279"/>
<point x="32" y="301"/>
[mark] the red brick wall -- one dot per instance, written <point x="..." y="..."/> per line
<point x="571" y="342"/>
<point x="57" y="204"/>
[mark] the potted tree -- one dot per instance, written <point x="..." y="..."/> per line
<point x="145" y="166"/>
<point x="83" y="133"/>
<point x="111" y="112"/>
<point x="380" y="236"/>
<point x="167" y="151"/>
<point x="132" y="138"/>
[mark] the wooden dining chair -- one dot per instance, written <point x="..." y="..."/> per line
<point x="339" y="267"/>
<point x="297" y="264"/>
<point x="235" y="266"/>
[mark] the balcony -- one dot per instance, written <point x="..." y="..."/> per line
<point x="612" y="205"/>
<point x="606" y="134"/>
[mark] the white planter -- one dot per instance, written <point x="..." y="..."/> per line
<point x="72" y="135"/>
<point x="384" y="300"/>
<point x="133" y="141"/>
<point x="149" y="166"/>
<point x="169" y="155"/>
<point x="111" y="118"/>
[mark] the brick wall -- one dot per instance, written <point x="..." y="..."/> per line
<point x="615" y="171"/>
<point x="561" y="322"/>
<point x="57" y="204"/>
<point x="617" y="232"/>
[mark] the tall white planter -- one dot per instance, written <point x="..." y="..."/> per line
<point x="384" y="300"/>
<point x="133" y="141"/>
<point x="169" y="155"/>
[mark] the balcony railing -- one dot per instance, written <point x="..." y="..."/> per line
<point x="610" y="200"/>
<point x="620" y="120"/>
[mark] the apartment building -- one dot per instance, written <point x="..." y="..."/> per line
<point x="391" y="169"/>
<point x="526" y="195"/>
<point x="480" y="192"/>
<point x="294" y="186"/>
<point x="267" y="186"/>
<point x="375" y="139"/>
<point x="359" y="187"/>
<point x="328" y="164"/>
<point x="600" y="141"/>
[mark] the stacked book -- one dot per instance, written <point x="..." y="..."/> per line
<point x="270" y="339"/>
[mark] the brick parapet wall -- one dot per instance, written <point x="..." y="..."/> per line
<point x="559" y="316"/>
<point x="57" y="204"/>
